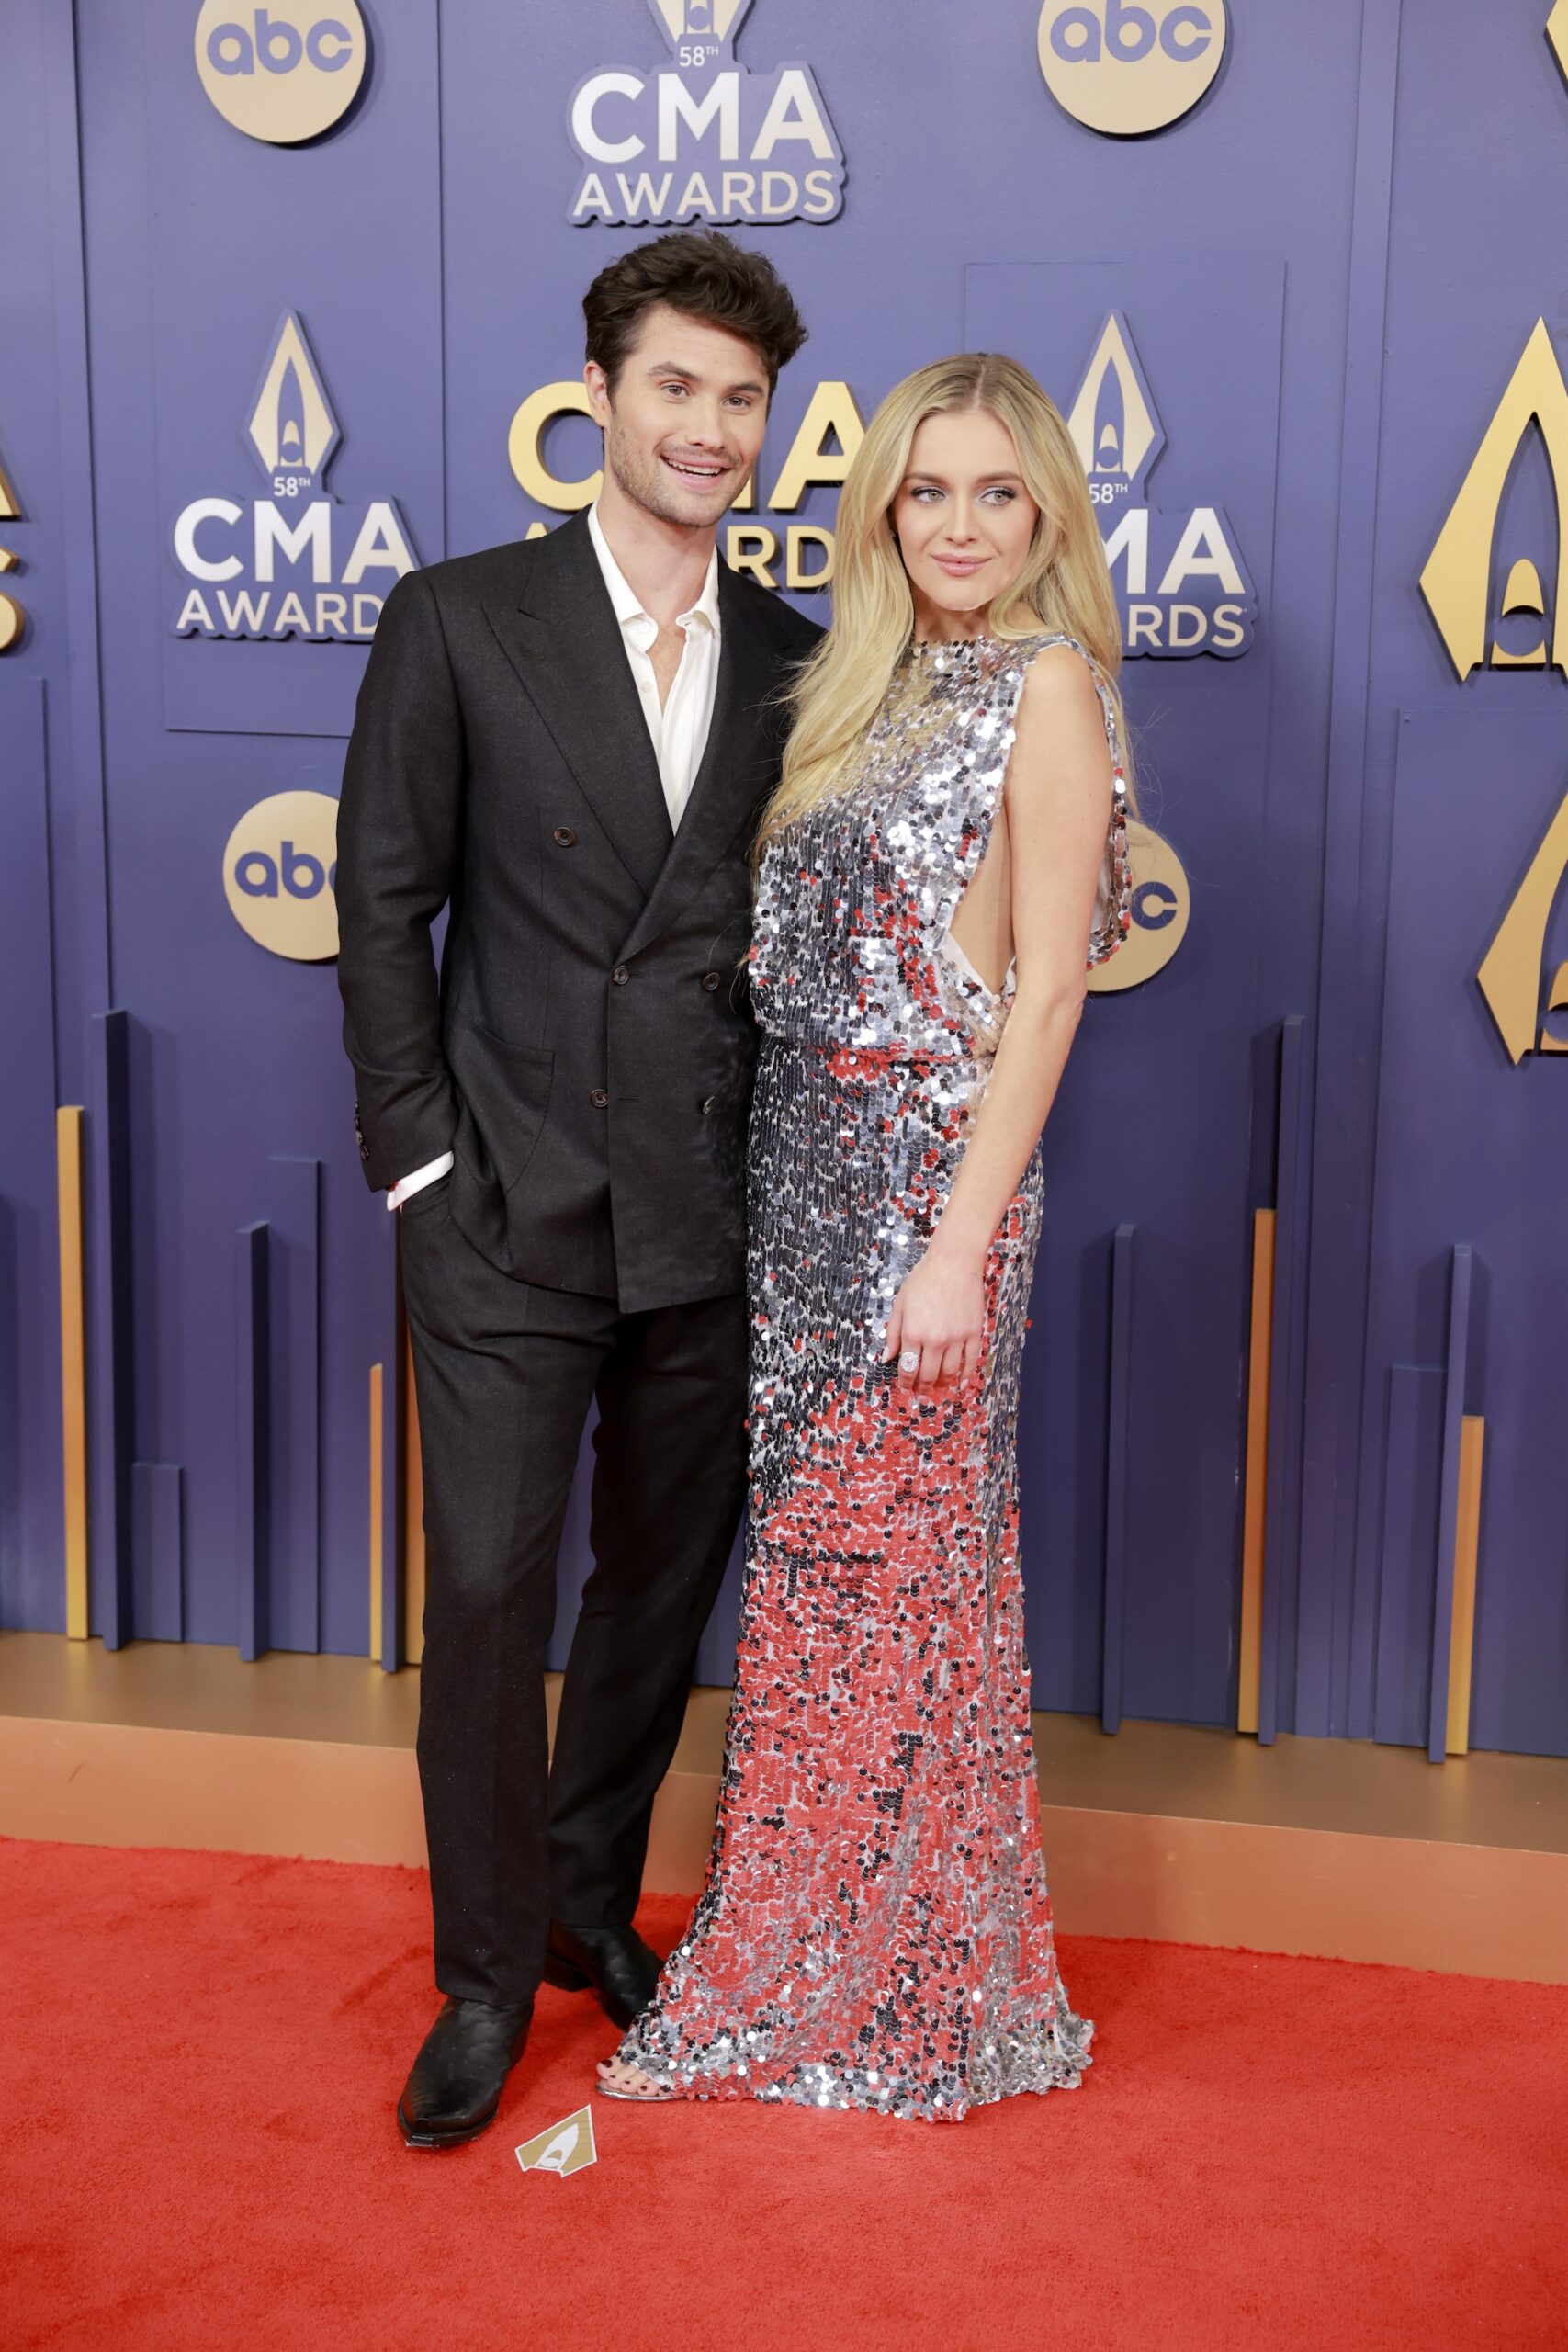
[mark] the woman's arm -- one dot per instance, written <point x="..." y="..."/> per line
<point x="1058" y="802"/>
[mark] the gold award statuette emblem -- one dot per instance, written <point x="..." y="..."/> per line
<point x="284" y="72"/>
<point x="1127" y="67"/>
<point x="1511" y="971"/>
<point x="1457" y="581"/>
<point x="10" y="611"/>
<point x="561" y="2147"/>
<point x="1161" y="904"/>
<point x="280" y="870"/>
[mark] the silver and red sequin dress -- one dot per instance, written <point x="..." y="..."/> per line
<point x="875" y="1931"/>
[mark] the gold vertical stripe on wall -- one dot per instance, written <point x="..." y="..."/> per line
<point x="1467" y="1548"/>
<point x="378" y="1528"/>
<point x="1260" y="1348"/>
<point x="414" y="1517"/>
<point x="72" y="1364"/>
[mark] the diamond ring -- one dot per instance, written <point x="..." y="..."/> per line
<point x="909" y="1361"/>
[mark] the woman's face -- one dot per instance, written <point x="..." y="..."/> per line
<point x="964" y="519"/>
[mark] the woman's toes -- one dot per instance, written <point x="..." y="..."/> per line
<point x="630" y="2081"/>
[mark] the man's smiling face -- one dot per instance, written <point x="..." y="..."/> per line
<point x="684" y="425"/>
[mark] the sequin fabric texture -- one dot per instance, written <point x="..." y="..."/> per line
<point x="875" y="1931"/>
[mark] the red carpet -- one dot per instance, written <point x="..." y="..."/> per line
<point x="202" y="2052"/>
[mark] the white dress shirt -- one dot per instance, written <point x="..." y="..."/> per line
<point x="678" y="730"/>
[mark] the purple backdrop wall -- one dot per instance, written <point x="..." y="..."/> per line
<point x="1329" y="269"/>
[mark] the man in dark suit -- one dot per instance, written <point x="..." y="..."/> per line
<point x="569" y="742"/>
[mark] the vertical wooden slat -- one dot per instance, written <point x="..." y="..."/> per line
<point x="1412" y="1480"/>
<point x="72" y="1364"/>
<point x="1255" y="1490"/>
<point x="414" y="1515"/>
<point x="1278" y="1518"/>
<point x="378" y="1527"/>
<point x="1467" y="1548"/>
<point x="1117" y="1454"/>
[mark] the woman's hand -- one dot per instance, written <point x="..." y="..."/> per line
<point x="938" y="1319"/>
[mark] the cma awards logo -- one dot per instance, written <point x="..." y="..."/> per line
<point x="705" y="139"/>
<point x="1476" y="605"/>
<point x="1484" y="591"/>
<point x="1179" y="579"/>
<point x="285" y="72"/>
<point x="279" y="873"/>
<point x="1127" y="67"/>
<point x="561" y="2148"/>
<point x="293" y="562"/>
<point x="1512" y="969"/>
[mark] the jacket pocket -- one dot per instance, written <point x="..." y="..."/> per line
<point x="504" y="1092"/>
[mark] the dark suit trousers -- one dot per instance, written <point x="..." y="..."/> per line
<point x="506" y="1372"/>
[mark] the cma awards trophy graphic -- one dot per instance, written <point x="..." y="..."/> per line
<point x="294" y="563"/>
<point x="1179" y="579"/>
<point x="1182" y="590"/>
<point x="291" y="429"/>
<point x="1484" y="587"/>
<point x="1457" y="579"/>
<point x="725" y="144"/>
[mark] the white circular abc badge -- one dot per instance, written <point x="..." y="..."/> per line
<point x="284" y="72"/>
<point x="1161" y="904"/>
<point x="1126" y="67"/>
<point x="279" y="868"/>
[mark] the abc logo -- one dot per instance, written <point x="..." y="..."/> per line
<point x="1161" y="904"/>
<point x="283" y="73"/>
<point x="1129" y="66"/>
<point x="278" y="872"/>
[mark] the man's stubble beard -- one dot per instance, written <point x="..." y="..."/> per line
<point x="643" y="480"/>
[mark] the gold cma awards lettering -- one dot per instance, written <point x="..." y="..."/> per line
<point x="1179" y="579"/>
<point x="1457" y="581"/>
<point x="295" y="562"/>
<point x="1127" y="67"/>
<point x="704" y="138"/>
<point x="284" y="72"/>
<point x="831" y="416"/>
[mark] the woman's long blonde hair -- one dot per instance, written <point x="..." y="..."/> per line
<point x="1064" y="585"/>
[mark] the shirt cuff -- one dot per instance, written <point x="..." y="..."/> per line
<point x="418" y="1181"/>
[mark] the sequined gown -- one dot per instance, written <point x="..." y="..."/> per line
<point x="875" y="1931"/>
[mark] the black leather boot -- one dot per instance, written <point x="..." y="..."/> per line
<point x="614" y="1961"/>
<point x="453" y="2087"/>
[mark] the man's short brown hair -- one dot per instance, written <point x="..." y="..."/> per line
<point x="704" y="275"/>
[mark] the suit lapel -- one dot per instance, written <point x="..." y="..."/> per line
<point x="735" y="769"/>
<point x="565" y="644"/>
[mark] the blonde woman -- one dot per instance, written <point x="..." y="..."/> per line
<point x="945" y="855"/>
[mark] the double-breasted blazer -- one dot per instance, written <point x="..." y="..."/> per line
<point x="587" y="1051"/>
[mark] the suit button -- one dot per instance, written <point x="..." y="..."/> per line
<point x="598" y="1098"/>
<point x="708" y="1105"/>
<point x="710" y="981"/>
<point x="564" y="838"/>
<point x="364" y="1151"/>
<point x="620" y="975"/>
